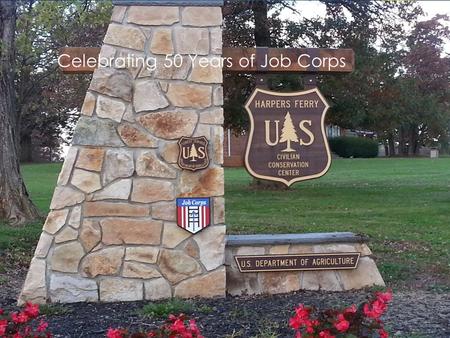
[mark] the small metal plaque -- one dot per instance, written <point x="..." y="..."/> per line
<point x="193" y="153"/>
<point x="193" y="214"/>
<point x="298" y="262"/>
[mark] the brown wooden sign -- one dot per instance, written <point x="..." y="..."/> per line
<point x="287" y="141"/>
<point x="77" y="60"/>
<point x="298" y="262"/>
<point x="193" y="154"/>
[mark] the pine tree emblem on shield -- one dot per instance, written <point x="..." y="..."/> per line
<point x="193" y="153"/>
<point x="287" y="140"/>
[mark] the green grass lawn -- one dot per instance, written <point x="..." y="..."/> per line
<point x="403" y="205"/>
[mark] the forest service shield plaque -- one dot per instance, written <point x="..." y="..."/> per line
<point x="193" y="153"/>
<point x="287" y="140"/>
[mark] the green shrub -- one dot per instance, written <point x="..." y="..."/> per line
<point x="354" y="147"/>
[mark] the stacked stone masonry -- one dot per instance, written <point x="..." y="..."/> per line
<point x="111" y="233"/>
<point x="365" y="275"/>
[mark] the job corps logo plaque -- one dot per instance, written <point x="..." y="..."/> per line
<point x="287" y="140"/>
<point x="193" y="154"/>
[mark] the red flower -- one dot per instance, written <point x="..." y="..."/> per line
<point x="114" y="333"/>
<point x="17" y="335"/>
<point x="42" y="326"/>
<point x="151" y="334"/>
<point x="1" y="312"/>
<point x="19" y="318"/>
<point x="177" y="326"/>
<point x="382" y="333"/>
<point x="298" y="334"/>
<point x="325" y="334"/>
<point x="351" y="309"/>
<point x="384" y="297"/>
<point x="302" y="312"/>
<point x="295" y="322"/>
<point x="341" y="325"/>
<point x="3" y="326"/>
<point x="31" y="310"/>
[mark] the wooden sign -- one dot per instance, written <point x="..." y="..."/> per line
<point x="193" y="153"/>
<point x="287" y="141"/>
<point x="297" y="262"/>
<point x="77" y="60"/>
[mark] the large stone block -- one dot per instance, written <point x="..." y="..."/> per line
<point x="191" y="40"/>
<point x="134" y="137"/>
<point x="131" y="231"/>
<point x="55" y="220"/>
<point x="211" y="242"/>
<point x="66" y="234"/>
<point x="119" y="189"/>
<point x="91" y="131"/>
<point x="120" y="290"/>
<point x="366" y="274"/>
<point x="43" y="246"/>
<point x="162" y="41"/>
<point x="170" y="152"/>
<point x="109" y="108"/>
<point x="148" y="164"/>
<point x="90" y="234"/>
<point x="119" y="163"/>
<point x="139" y="270"/>
<point x="219" y="210"/>
<point x="75" y="217"/>
<point x="178" y="69"/>
<point x="125" y="36"/>
<point x="105" y="262"/>
<point x="88" y="104"/>
<point x="72" y="289"/>
<point x="170" y="125"/>
<point x="144" y="254"/>
<point x="148" y="96"/>
<point x="35" y="287"/>
<point x="153" y="16"/>
<point x="208" y="285"/>
<point x="166" y="211"/>
<point x="204" y="72"/>
<point x="212" y="116"/>
<point x="201" y="16"/>
<point x="176" y="266"/>
<point x="173" y="235"/>
<point x="91" y="159"/>
<point x="66" y="257"/>
<point x="209" y="182"/>
<point x="66" y="170"/>
<point x="186" y="95"/>
<point x="65" y="197"/>
<point x="279" y="282"/>
<point x="148" y="190"/>
<point x="112" y="82"/>
<point x="157" y="289"/>
<point x="86" y="181"/>
<point x="98" y="209"/>
<point x="216" y="40"/>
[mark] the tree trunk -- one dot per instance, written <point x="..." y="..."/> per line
<point x="15" y="204"/>
<point x="391" y="145"/>
<point x="262" y="39"/>
<point x="26" y="149"/>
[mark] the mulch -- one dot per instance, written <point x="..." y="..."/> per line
<point x="413" y="313"/>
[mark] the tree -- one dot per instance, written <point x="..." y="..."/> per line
<point x="288" y="133"/>
<point x="193" y="153"/>
<point x="47" y="100"/>
<point x="15" y="204"/>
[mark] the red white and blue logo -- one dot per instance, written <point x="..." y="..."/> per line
<point x="193" y="214"/>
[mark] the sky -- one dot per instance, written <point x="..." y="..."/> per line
<point x="312" y="9"/>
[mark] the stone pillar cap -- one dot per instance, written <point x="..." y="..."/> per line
<point x="168" y="2"/>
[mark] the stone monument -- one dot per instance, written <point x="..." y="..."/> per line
<point x="111" y="234"/>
